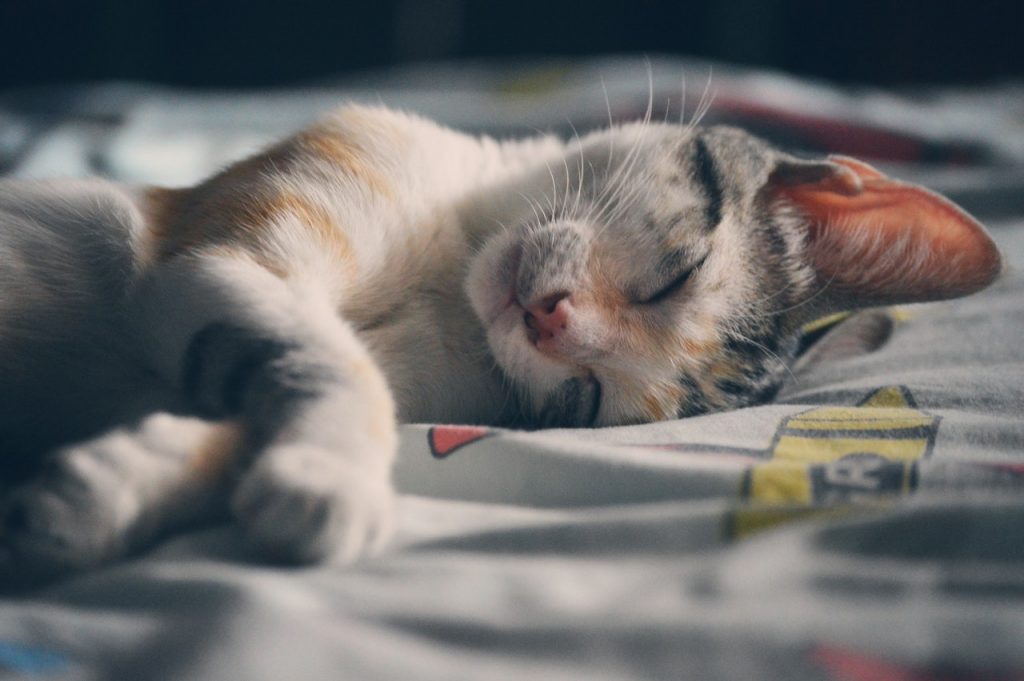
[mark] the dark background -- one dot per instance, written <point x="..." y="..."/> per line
<point x="237" y="43"/>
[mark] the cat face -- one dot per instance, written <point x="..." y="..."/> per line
<point x="663" y="271"/>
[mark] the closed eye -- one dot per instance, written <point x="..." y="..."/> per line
<point x="673" y="286"/>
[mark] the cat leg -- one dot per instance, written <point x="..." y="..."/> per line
<point x="103" y="499"/>
<point x="318" y="420"/>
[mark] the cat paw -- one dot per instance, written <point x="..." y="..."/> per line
<point x="303" y="504"/>
<point x="65" y="521"/>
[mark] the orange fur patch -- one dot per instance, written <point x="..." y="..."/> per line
<point x="662" y="401"/>
<point x="241" y="206"/>
<point x="329" y="145"/>
<point x="701" y="350"/>
<point x="160" y="207"/>
<point x="653" y="408"/>
<point x="281" y="206"/>
<point x="723" y="370"/>
<point x="180" y="224"/>
<point x="215" y="455"/>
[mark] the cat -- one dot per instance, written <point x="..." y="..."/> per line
<point x="247" y="345"/>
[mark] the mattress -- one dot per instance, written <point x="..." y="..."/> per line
<point x="866" y="525"/>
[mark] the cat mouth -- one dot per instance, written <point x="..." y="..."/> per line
<point x="576" y="403"/>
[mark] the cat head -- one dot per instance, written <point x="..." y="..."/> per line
<point x="663" y="271"/>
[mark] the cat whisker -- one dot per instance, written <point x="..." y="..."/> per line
<point x="773" y="296"/>
<point x="616" y="183"/>
<point x="592" y="213"/>
<point x="616" y="198"/>
<point x="581" y="169"/>
<point x="534" y="206"/>
<point x="773" y="355"/>
<point x="706" y="100"/>
<point x="553" y="202"/>
<point x="559" y="203"/>
<point x="682" y="101"/>
<point x="566" y="211"/>
<point x="611" y="122"/>
<point x="624" y="201"/>
<point x="824" y="287"/>
<point x="650" y="89"/>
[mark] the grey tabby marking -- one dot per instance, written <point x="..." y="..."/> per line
<point x="708" y="176"/>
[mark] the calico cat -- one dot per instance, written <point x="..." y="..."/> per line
<point x="247" y="345"/>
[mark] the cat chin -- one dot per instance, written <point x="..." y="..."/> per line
<point x="536" y="374"/>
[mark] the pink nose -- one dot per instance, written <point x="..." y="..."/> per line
<point x="547" y="318"/>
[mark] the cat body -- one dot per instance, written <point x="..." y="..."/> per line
<point x="250" y="343"/>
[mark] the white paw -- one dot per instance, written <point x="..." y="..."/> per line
<point x="305" y="504"/>
<point x="72" y="517"/>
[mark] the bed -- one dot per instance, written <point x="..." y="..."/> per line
<point x="868" y="525"/>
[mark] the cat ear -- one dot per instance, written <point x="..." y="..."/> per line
<point x="874" y="240"/>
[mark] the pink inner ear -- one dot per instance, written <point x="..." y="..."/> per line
<point x="878" y="240"/>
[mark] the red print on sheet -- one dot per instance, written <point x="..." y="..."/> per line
<point x="446" y="439"/>
<point x="849" y="665"/>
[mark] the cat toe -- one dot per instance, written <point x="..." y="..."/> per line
<point x="58" y="524"/>
<point x="305" y="505"/>
<point x="46" y="536"/>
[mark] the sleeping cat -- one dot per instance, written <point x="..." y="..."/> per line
<point x="248" y="344"/>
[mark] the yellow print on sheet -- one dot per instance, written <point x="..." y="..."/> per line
<point x="833" y="455"/>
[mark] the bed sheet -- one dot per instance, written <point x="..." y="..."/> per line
<point x="867" y="525"/>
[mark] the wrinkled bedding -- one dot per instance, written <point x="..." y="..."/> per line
<point x="867" y="525"/>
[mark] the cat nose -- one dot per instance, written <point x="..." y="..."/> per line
<point x="548" y="317"/>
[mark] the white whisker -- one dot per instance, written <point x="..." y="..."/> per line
<point x="682" y="102"/>
<point x="706" y="100"/>
<point x="807" y="300"/>
<point x="534" y="206"/>
<point x="554" y="191"/>
<point x="774" y="355"/>
<point x="616" y="185"/>
<point x="581" y="169"/>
